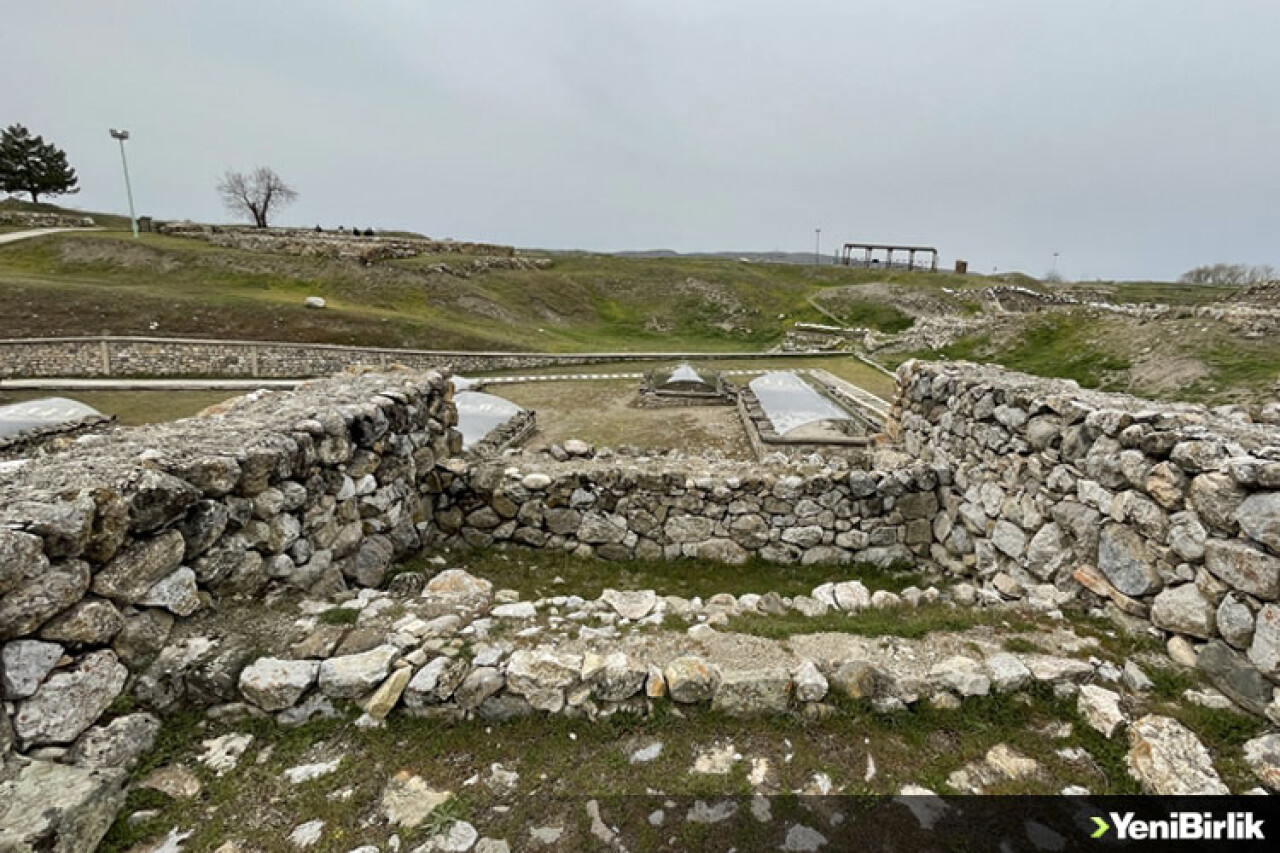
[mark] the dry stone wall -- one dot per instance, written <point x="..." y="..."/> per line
<point x="195" y="357"/>
<point x="105" y="545"/>
<point x="621" y="508"/>
<point x="1170" y="513"/>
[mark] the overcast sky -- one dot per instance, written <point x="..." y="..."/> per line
<point x="1136" y="137"/>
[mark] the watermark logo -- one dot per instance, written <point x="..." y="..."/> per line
<point x="1181" y="826"/>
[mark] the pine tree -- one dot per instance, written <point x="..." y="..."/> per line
<point x="28" y="164"/>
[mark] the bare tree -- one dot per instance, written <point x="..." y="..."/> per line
<point x="1229" y="274"/>
<point x="255" y="196"/>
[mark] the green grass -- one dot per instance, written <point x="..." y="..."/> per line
<point x="584" y="302"/>
<point x="340" y="616"/>
<point x="532" y="573"/>
<point x="1060" y="346"/>
<point x="908" y="622"/>
<point x="132" y="408"/>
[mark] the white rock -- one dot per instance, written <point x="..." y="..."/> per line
<point x="1100" y="708"/>
<point x="306" y="772"/>
<point x="222" y="754"/>
<point x="307" y="834"/>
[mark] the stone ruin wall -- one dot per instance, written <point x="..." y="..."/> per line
<point x="36" y="219"/>
<point x="1026" y="485"/>
<point x="194" y="357"/>
<point x="104" y="546"/>
<point x="1168" y="513"/>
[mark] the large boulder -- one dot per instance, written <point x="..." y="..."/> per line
<point x="1262" y="754"/>
<point x="57" y="808"/>
<point x="69" y="702"/>
<point x="1168" y="759"/>
<point x="1264" y="651"/>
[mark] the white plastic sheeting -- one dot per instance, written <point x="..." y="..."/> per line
<point x="18" y="418"/>
<point x="790" y="402"/>
<point x="480" y="414"/>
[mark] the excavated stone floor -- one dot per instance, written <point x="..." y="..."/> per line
<point x="444" y="713"/>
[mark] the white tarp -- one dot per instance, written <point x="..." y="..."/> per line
<point x="17" y="418"/>
<point x="480" y="414"/>
<point x="789" y="402"/>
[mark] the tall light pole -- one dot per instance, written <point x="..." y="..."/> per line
<point x="817" y="246"/>
<point x="121" y="136"/>
<point x="1055" y="265"/>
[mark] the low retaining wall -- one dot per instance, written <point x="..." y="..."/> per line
<point x="1168" y="512"/>
<point x="619" y="509"/>
<point x="172" y="357"/>
<point x="104" y="545"/>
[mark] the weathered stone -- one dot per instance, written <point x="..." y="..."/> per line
<point x="1008" y="673"/>
<point x="372" y="559"/>
<point x="1168" y="759"/>
<point x="809" y="683"/>
<point x="1123" y="557"/>
<point x="481" y="683"/>
<point x="388" y="694"/>
<point x="132" y="573"/>
<point x="407" y="800"/>
<point x="274" y="684"/>
<point x="1262" y="754"/>
<point x="176" y="593"/>
<point x="631" y="604"/>
<point x="143" y="635"/>
<point x="435" y="682"/>
<point x="1009" y="539"/>
<point x="619" y="677"/>
<point x="159" y="498"/>
<point x="721" y="551"/>
<point x="855" y="679"/>
<point x="91" y="622"/>
<point x="120" y="743"/>
<point x="1264" y="651"/>
<point x="1244" y="567"/>
<point x="541" y="676"/>
<point x="352" y="676"/>
<point x="21" y="558"/>
<point x="69" y="702"/>
<point x="24" y="664"/>
<point x="1259" y="518"/>
<point x="742" y="692"/>
<point x="1231" y="673"/>
<point x="691" y="679"/>
<point x="456" y="583"/>
<point x="57" y="808"/>
<point x="1216" y="497"/>
<point x="55" y="589"/>
<point x="851" y="596"/>
<point x="1100" y="708"/>
<point x="1235" y="621"/>
<point x="1187" y="536"/>
<point x="964" y="675"/>
<point x="201" y="527"/>
<point x="1184" y="610"/>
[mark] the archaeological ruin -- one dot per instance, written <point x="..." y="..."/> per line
<point x="126" y="558"/>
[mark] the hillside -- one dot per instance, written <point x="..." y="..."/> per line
<point x="1205" y="344"/>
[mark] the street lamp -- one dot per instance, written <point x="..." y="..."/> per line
<point x="121" y="136"/>
<point x="817" y="246"/>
